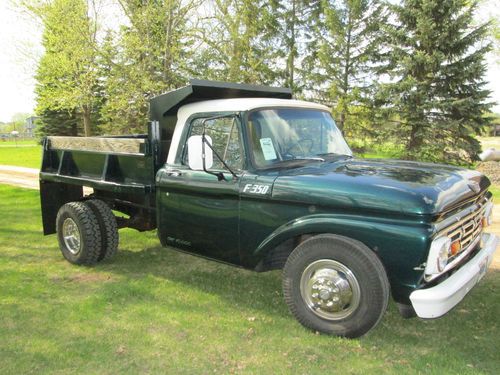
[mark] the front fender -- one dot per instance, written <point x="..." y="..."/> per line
<point x="401" y="245"/>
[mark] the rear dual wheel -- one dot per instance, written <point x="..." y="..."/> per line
<point x="87" y="232"/>
<point x="108" y="228"/>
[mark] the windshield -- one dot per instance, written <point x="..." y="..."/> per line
<point x="283" y="134"/>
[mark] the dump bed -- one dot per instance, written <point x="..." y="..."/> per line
<point x="119" y="170"/>
<point x="121" y="165"/>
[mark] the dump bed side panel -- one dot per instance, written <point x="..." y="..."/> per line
<point x="119" y="170"/>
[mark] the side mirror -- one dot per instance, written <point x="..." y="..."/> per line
<point x="199" y="152"/>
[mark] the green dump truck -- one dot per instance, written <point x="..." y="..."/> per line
<point x="248" y="176"/>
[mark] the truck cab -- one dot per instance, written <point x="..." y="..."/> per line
<point x="248" y="176"/>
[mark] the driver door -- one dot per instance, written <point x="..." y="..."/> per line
<point x="199" y="213"/>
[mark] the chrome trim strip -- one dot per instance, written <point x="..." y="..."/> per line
<point x="454" y="220"/>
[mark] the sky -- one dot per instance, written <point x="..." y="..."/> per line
<point x="20" y="48"/>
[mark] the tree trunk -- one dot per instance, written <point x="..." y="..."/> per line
<point x="347" y="73"/>
<point x="341" y="122"/>
<point x="87" y="125"/>
<point x="415" y="141"/>
<point x="292" y="47"/>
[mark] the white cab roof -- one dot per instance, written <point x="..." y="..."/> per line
<point x="229" y="105"/>
<point x="243" y="104"/>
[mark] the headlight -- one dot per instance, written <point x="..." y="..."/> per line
<point x="438" y="256"/>
<point x="442" y="258"/>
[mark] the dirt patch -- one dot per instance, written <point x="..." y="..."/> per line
<point x="19" y="176"/>
<point x="25" y="177"/>
<point x="490" y="169"/>
<point x="82" y="278"/>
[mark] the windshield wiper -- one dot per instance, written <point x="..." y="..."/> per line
<point x="316" y="158"/>
<point x="334" y="154"/>
<point x="295" y="162"/>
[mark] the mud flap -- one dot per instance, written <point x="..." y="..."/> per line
<point x="52" y="196"/>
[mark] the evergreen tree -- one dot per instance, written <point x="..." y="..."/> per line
<point x="62" y="123"/>
<point x="437" y="68"/>
<point x="290" y="20"/>
<point x="292" y="27"/>
<point x="344" y="41"/>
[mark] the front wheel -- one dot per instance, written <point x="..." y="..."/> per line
<point x="335" y="285"/>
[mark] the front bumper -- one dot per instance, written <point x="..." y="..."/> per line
<point x="438" y="300"/>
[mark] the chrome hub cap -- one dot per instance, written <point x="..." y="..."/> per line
<point x="71" y="236"/>
<point x="330" y="289"/>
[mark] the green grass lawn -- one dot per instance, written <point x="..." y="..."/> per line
<point x="23" y="155"/>
<point x="495" y="190"/>
<point x="154" y="310"/>
<point x="19" y="142"/>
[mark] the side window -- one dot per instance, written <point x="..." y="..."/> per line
<point x="225" y="134"/>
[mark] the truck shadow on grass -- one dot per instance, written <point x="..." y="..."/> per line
<point x="470" y="323"/>
<point x="248" y="289"/>
<point x="470" y="329"/>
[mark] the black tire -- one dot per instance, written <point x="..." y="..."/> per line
<point x="329" y="268"/>
<point x="84" y="246"/>
<point x="108" y="227"/>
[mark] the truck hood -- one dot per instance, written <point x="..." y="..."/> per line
<point x="383" y="185"/>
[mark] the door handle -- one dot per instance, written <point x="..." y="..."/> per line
<point x="174" y="173"/>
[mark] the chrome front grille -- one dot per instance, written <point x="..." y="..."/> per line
<point x="463" y="227"/>
<point x="467" y="229"/>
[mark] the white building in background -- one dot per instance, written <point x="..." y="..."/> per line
<point x="30" y="126"/>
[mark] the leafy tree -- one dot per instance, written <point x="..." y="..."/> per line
<point x="67" y="74"/>
<point x="437" y="69"/>
<point x="239" y="42"/>
<point x="344" y="55"/>
<point x="16" y="123"/>
<point x="150" y="55"/>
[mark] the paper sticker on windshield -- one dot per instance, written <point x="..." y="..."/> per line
<point x="267" y="148"/>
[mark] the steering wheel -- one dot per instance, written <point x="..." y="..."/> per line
<point x="301" y="147"/>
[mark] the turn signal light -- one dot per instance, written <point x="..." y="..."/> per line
<point x="484" y="222"/>
<point x="455" y="247"/>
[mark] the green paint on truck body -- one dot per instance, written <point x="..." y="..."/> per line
<point x="391" y="206"/>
